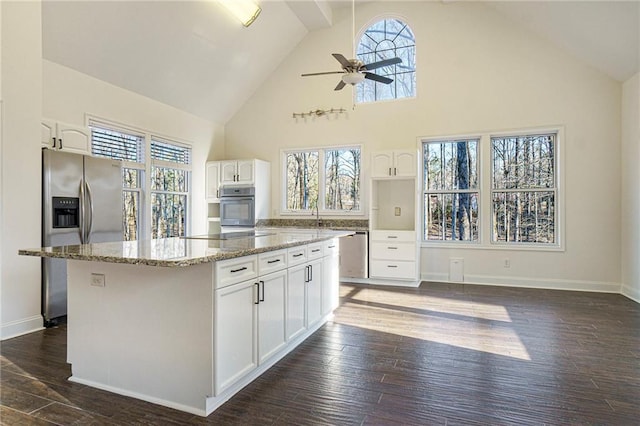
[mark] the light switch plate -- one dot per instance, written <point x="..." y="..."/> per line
<point x="397" y="211"/>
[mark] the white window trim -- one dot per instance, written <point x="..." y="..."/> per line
<point x="321" y="191"/>
<point x="146" y="191"/>
<point x="484" y="183"/>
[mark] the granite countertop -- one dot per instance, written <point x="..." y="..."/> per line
<point x="180" y="252"/>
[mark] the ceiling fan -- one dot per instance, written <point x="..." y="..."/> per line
<point x="355" y="71"/>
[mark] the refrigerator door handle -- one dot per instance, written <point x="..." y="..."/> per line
<point x="82" y="213"/>
<point x="90" y="222"/>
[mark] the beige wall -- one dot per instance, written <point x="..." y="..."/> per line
<point x="477" y="72"/>
<point x="20" y="218"/>
<point x="631" y="188"/>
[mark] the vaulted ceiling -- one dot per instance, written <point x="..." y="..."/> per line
<point x="194" y="56"/>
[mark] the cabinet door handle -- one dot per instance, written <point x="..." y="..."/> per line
<point x="392" y="248"/>
<point x="392" y="236"/>
<point x="54" y="143"/>
<point x="315" y="250"/>
<point x="257" y="301"/>
<point x="239" y="269"/>
<point x="273" y="261"/>
<point x="217" y="193"/>
<point x="306" y="274"/>
<point x="298" y="255"/>
<point x="262" y="297"/>
<point x="60" y="143"/>
<point x="310" y="272"/>
<point x="392" y="266"/>
<point x="395" y="171"/>
<point x="331" y="247"/>
<point x="389" y="171"/>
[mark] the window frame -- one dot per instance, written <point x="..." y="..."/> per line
<point x="485" y="200"/>
<point x="358" y="41"/>
<point x="321" y="179"/>
<point x="477" y="190"/>
<point x="558" y="197"/>
<point x="144" y="231"/>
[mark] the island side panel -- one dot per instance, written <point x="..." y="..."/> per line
<point x="147" y="333"/>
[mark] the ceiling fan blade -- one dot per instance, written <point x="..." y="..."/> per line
<point x="384" y="63"/>
<point x="322" y="73"/>
<point x="378" y="78"/>
<point x="340" y="85"/>
<point x="343" y="61"/>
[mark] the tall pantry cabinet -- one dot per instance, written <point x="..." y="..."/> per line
<point x="394" y="256"/>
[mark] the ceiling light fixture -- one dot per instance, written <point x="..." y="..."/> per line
<point x="353" y="78"/>
<point x="245" y="10"/>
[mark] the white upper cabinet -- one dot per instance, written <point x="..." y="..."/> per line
<point x="212" y="174"/>
<point x="65" y="137"/>
<point x="237" y="171"/>
<point x="397" y="163"/>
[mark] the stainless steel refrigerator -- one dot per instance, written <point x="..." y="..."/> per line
<point x="81" y="204"/>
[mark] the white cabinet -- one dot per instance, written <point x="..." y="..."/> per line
<point x="296" y="281"/>
<point x="235" y="344"/>
<point x="314" y="292"/>
<point x="393" y="255"/>
<point x="65" y="137"/>
<point x="397" y="163"/>
<point x="237" y="172"/>
<point x="212" y="174"/>
<point x="330" y="276"/>
<point x="271" y="314"/>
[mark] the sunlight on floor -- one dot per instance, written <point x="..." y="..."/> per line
<point x="469" y="325"/>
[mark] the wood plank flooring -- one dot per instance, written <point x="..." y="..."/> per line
<point x="442" y="354"/>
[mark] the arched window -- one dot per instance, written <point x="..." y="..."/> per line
<point x="388" y="38"/>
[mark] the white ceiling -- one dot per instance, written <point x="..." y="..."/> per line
<point x="194" y="56"/>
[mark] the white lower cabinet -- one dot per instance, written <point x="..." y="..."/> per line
<point x="283" y="295"/>
<point x="296" y="281"/>
<point x="314" y="292"/>
<point x="235" y="343"/>
<point x="330" y="276"/>
<point x="271" y="314"/>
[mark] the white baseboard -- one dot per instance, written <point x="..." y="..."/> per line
<point x="375" y="281"/>
<point x="20" y="327"/>
<point x="631" y="293"/>
<point x="542" y="283"/>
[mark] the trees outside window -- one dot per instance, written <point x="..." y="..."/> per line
<point x="339" y="169"/>
<point x="451" y="190"/>
<point x="524" y="189"/>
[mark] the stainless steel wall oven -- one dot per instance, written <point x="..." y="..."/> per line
<point x="237" y="206"/>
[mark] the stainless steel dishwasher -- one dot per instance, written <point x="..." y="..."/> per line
<point x="354" y="258"/>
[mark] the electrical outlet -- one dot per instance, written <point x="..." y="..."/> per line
<point x="97" y="280"/>
<point x="507" y="263"/>
<point x="397" y="211"/>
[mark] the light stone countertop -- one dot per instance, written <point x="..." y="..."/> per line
<point x="181" y="252"/>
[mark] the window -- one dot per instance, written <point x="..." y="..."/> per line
<point x="524" y="189"/>
<point x="169" y="188"/>
<point x="388" y="38"/>
<point x="129" y="148"/>
<point x="451" y="190"/>
<point x="164" y="210"/>
<point x="337" y="168"/>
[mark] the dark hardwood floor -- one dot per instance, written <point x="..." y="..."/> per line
<point x="440" y="354"/>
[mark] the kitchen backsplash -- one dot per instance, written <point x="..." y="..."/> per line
<point x="352" y="224"/>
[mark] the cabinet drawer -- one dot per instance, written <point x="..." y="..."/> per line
<point x="272" y="261"/>
<point x="402" y="236"/>
<point x="393" y="251"/>
<point x="398" y="270"/>
<point x="314" y="250"/>
<point x="331" y="247"/>
<point x="296" y="255"/>
<point x="233" y="271"/>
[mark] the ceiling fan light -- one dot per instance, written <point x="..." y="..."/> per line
<point x="245" y="10"/>
<point x="353" y="78"/>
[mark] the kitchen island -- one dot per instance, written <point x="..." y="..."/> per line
<point x="188" y="322"/>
